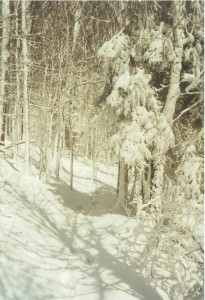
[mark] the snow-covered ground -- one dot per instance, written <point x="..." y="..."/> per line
<point x="62" y="244"/>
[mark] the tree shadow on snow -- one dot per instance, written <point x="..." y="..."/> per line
<point x="96" y="203"/>
<point x="48" y="258"/>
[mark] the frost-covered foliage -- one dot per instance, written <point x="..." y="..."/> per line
<point x="134" y="100"/>
<point x="115" y="53"/>
<point x="115" y="47"/>
<point x="176" y="260"/>
<point x="142" y="128"/>
<point x="193" y="50"/>
<point x="154" y="53"/>
<point x="154" y="48"/>
<point x="137" y="140"/>
<point x="130" y="143"/>
<point x="159" y="51"/>
<point x="132" y="91"/>
<point x="142" y="131"/>
<point x="190" y="176"/>
<point x="175" y="237"/>
<point x="171" y="231"/>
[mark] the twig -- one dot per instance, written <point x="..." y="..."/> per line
<point x="186" y="110"/>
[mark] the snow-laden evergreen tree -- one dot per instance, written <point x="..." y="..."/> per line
<point x="145" y="65"/>
<point x="140" y="122"/>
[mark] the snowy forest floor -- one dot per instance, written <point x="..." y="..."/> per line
<point x="62" y="244"/>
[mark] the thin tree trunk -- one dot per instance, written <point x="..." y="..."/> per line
<point x="173" y="92"/>
<point x="58" y="161"/>
<point x="4" y="67"/>
<point x="16" y="119"/>
<point x="25" y="88"/>
<point x="87" y="148"/>
<point x="174" y="87"/>
<point x="75" y="36"/>
<point x="48" y="151"/>
<point x="55" y="149"/>
<point x="14" y="136"/>
<point x="132" y="194"/>
<point x="71" y="163"/>
<point x="59" y="147"/>
<point x="94" y="153"/>
<point x="70" y="143"/>
<point x="4" y="58"/>
<point x="122" y="185"/>
<point x="76" y="26"/>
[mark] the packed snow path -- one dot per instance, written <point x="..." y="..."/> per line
<point x="50" y="251"/>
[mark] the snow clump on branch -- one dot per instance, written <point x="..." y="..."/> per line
<point x="114" y="47"/>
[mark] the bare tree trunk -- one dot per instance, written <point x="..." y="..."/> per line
<point x="173" y="92"/>
<point x="55" y="149"/>
<point x="54" y="152"/>
<point x="14" y="136"/>
<point x="48" y="151"/>
<point x="59" y="146"/>
<point x="132" y="193"/>
<point x="158" y="177"/>
<point x="174" y="87"/>
<point x="75" y="36"/>
<point x="76" y="26"/>
<point x="4" y="67"/>
<point x="87" y="148"/>
<point x="25" y="87"/>
<point x="58" y="161"/>
<point x="122" y="185"/>
<point x="94" y="153"/>
<point x="16" y="119"/>
<point x="70" y="143"/>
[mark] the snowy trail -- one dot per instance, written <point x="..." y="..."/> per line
<point x="49" y="251"/>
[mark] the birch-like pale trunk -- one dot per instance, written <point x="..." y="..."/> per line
<point x="17" y="118"/>
<point x="4" y="68"/>
<point x="14" y="140"/>
<point x="54" y="152"/>
<point x="59" y="142"/>
<point x="174" y="85"/>
<point x="70" y="128"/>
<point x="76" y="26"/>
<point x="57" y="151"/>
<point x="24" y="4"/>
<point x="49" y="148"/>
<point x="45" y="154"/>
<point x="76" y="30"/>
<point x="173" y="92"/>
